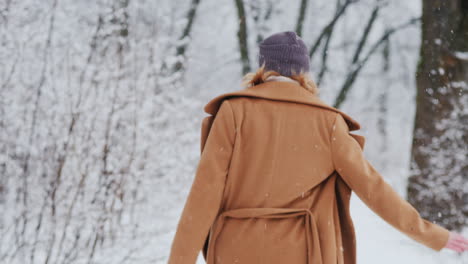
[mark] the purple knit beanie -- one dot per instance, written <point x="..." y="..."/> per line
<point x="284" y="52"/>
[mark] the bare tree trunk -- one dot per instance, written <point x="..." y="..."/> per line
<point x="438" y="184"/>
<point x="329" y="34"/>
<point x="181" y="48"/>
<point x="242" y="36"/>
<point x="262" y="12"/>
<point x="301" y="17"/>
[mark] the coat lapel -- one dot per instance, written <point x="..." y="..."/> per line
<point x="281" y="91"/>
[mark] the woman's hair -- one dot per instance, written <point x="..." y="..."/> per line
<point x="260" y="76"/>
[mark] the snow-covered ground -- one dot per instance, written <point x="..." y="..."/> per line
<point x="378" y="242"/>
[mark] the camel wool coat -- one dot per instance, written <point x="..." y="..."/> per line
<point x="274" y="182"/>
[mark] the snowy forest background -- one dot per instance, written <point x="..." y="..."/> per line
<point x="101" y="105"/>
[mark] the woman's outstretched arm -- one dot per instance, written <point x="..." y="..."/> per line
<point x="205" y="196"/>
<point x="376" y="193"/>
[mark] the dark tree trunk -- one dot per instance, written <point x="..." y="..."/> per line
<point x="242" y="36"/>
<point x="181" y="48"/>
<point x="301" y="17"/>
<point x="438" y="184"/>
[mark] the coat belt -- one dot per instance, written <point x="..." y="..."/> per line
<point x="313" y="244"/>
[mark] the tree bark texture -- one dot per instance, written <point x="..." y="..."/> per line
<point x="438" y="183"/>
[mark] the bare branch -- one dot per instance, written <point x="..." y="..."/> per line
<point x="330" y="26"/>
<point x="325" y="49"/>
<point x="324" y="59"/>
<point x="363" y="40"/>
<point x="37" y="100"/>
<point x="359" y="65"/>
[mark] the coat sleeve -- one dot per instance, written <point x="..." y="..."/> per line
<point x="205" y="196"/>
<point x="376" y="193"/>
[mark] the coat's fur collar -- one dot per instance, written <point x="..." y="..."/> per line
<point x="282" y="91"/>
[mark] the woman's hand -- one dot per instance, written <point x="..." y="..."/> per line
<point x="457" y="242"/>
